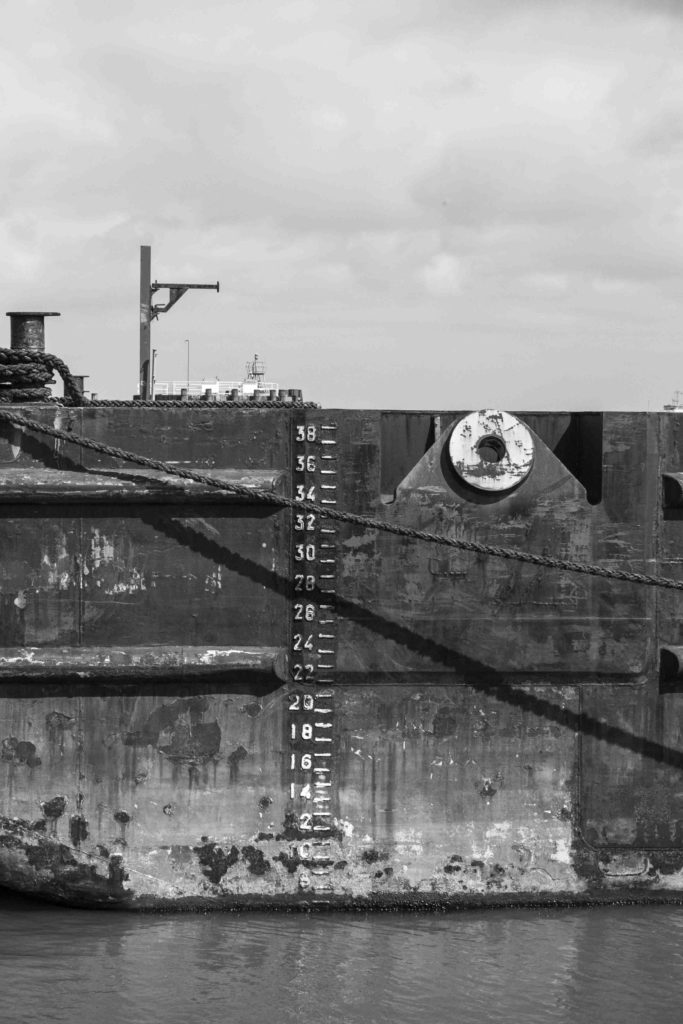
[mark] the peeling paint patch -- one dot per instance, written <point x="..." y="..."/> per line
<point x="488" y="790"/>
<point x="19" y="752"/>
<point x="213" y="583"/>
<point x="253" y="710"/>
<point x="214" y="861"/>
<point x="290" y="860"/>
<point x="372" y="856"/>
<point x="234" y="759"/>
<point x="78" y="829"/>
<point x="101" y="549"/>
<point x="54" y="808"/>
<point x="117" y="873"/>
<point x="445" y="722"/>
<point x="133" y="584"/>
<point x="178" y="732"/>
<point x="193" y="744"/>
<point x="562" y="852"/>
<point x="57" y="724"/>
<point x="257" y="863"/>
<point x="624" y="864"/>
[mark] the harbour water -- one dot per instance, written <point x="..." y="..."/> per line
<point x="621" y="964"/>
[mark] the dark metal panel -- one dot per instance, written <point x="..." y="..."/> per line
<point x="164" y="579"/>
<point x="39" y="580"/>
<point x="406" y="605"/>
<point x="631" y="765"/>
<point x="149" y="577"/>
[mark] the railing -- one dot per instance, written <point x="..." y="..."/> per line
<point x="197" y="388"/>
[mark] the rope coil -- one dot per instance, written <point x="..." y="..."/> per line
<point x="25" y="376"/>
<point x="266" y="497"/>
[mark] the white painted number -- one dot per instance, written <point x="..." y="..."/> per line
<point x="308" y="704"/>
<point x="304" y="522"/>
<point x="306" y="433"/>
<point x="304" y="553"/>
<point x="304" y="611"/>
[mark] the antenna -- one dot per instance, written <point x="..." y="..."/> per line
<point x="149" y="312"/>
<point x="256" y="369"/>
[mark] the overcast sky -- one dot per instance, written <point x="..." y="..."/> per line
<point x="408" y="203"/>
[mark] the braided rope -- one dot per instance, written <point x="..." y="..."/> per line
<point x="24" y="377"/>
<point x="266" y="497"/>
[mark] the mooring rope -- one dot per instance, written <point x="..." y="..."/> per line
<point x="266" y="497"/>
<point x="247" y="404"/>
<point x="24" y="377"/>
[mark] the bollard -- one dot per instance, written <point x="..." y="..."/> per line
<point x="27" y="331"/>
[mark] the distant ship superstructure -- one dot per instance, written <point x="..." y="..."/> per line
<point x="676" y="403"/>
<point x="254" y="385"/>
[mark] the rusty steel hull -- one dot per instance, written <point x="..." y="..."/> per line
<point x="211" y="702"/>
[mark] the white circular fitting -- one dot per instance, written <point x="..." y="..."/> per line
<point x="491" y="450"/>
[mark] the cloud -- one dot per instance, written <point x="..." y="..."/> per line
<point x="379" y="176"/>
<point x="443" y="274"/>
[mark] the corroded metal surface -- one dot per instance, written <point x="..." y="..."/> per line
<point x="131" y="485"/>
<point x="107" y="661"/>
<point x="28" y="331"/>
<point x="209" y="702"/>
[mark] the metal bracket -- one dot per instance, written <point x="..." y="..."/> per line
<point x="176" y="292"/>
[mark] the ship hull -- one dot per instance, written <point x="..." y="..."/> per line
<point x="222" y="705"/>
<point x="445" y="795"/>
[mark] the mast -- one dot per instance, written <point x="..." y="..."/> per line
<point x="149" y="312"/>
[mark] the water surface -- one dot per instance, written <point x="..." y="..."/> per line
<point x="621" y="964"/>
